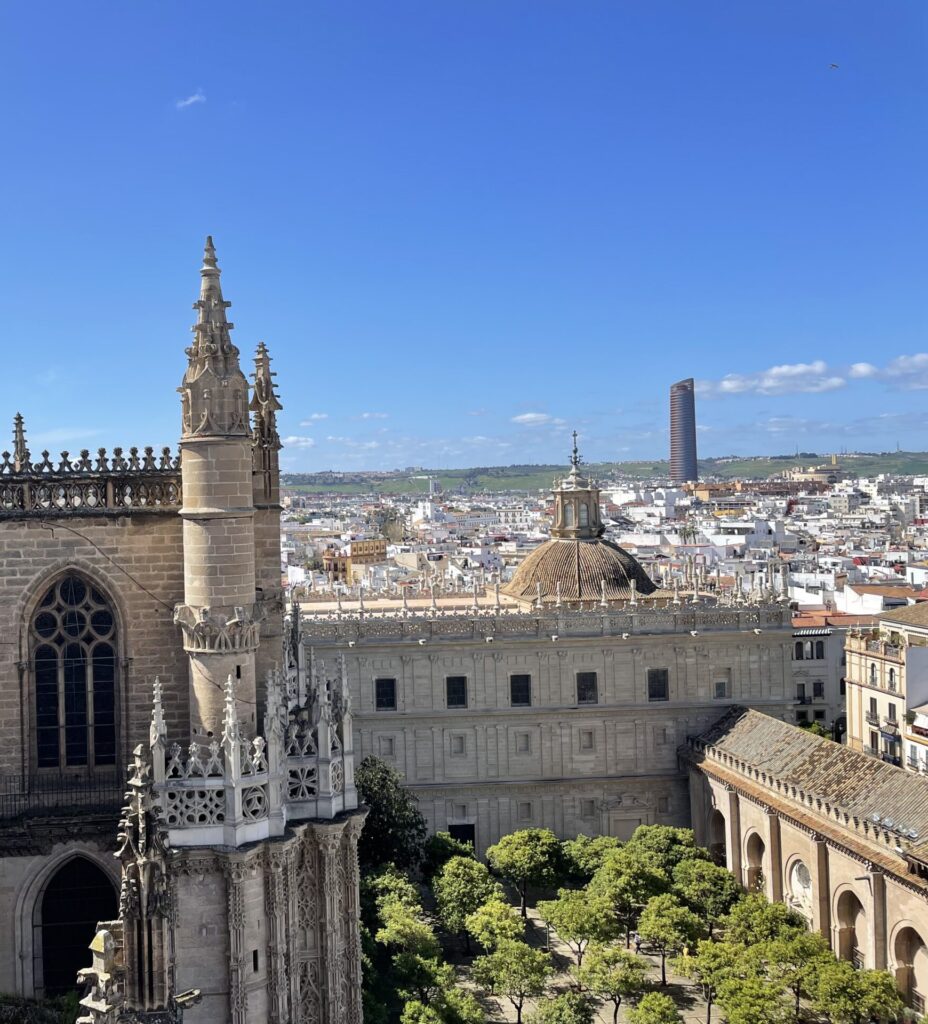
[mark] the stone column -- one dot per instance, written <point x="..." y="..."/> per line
<point x="733" y="839"/>
<point x="821" y="886"/>
<point x="877" y="937"/>
<point x="776" y="858"/>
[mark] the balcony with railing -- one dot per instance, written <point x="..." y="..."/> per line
<point x="871" y="645"/>
<point x="59" y="794"/>
<point x="872" y="717"/>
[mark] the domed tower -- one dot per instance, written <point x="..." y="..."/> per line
<point x="219" y="615"/>
<point x="577" y="564"/>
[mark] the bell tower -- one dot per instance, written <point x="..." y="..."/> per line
<point x="219" y="616"/>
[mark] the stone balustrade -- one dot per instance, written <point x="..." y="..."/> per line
<point x="105" y="483"/>
<point x="238" y="790"/>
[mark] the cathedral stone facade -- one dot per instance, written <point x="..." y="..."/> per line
<point x="144" y="635"/>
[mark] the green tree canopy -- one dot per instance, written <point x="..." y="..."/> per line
<point x="461" y="887"/>
<point x="583" y="856"/>
<point x="655" y="1008"/>
<point x="628" y="878"/>
<point x="441" y="847"/>
<point x="753" y="1000"/>
<point x="495" y="922"/>
<point x="579" y="917"/>
<point x="714" y="963"/>
<point x="394" y="830"/>
<point x="794" y="961"/>
<point x="847" y="996"/>
<point x="613" y="974"/>
<point x="514" y="970"/>
<point x="707" y="889"/>
<point x="529" y="857"/>
<point x="567" y="1008"/>
<point x="668" y="926"/>
<point x="753" y="920"/>
<point x="670" y="845"/>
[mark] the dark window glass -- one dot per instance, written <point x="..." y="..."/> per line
<point x="587" y="692"/>
<point x="798" y="652"/>
<point x="456" y="691"/>
<point x="800" y="691"/>
<point x="74" y="677"/>
<point x="520" y="691"/>
<point x="385" y="694"/>
<point x="818" y="688"/>
<point x="658" y="684"/>
<point x="819" y="649"/>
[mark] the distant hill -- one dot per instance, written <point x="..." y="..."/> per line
<point x="534" y="478"/>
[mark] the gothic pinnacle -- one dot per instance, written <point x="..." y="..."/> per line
<point x="20" y="451"/>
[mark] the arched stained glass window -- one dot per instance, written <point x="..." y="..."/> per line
<point x="73" y="640"/>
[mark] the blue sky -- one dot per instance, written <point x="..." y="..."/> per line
<point x="464" y="228"/>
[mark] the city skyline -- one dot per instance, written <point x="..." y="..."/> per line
<point x="459" y="253"/>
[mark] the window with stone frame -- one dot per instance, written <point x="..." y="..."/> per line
<point x="658" y="684"/>
<point x="587" y="690"/>
<point x="520" y="690"/>
<point x="385" y="694"/>
<point x="456" y="691"/>
<point x="72" y="640"/>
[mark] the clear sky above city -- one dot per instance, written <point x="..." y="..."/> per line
<point x="466" y="228"/>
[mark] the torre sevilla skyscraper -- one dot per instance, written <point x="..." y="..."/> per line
<point x="683" y="432"/>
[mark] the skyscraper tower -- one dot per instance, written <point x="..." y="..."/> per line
<point x="683" y="432"/>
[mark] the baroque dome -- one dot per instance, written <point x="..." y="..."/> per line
<point x="580" y="567"/>
<point x="577" y="564"/>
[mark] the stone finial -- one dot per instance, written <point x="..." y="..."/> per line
<point x="158" y="729"/>
<point x="230" y="730"/>
<point x="676" y="591"/>
<point x="264" y="402"/>
<point x="20" y="451"/>
<point x="633" y="586"/>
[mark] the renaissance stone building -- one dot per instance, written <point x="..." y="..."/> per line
<point x="560" y="699"/>
<point x="143" y="633"/>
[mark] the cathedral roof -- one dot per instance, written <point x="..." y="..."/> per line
<point x="579" y="570"/>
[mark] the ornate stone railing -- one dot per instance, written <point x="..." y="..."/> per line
<point x="483" y="624"/>
<point x="90" y="484"/>
<point x="240" y="790"/>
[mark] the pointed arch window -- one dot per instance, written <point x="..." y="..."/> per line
<point x="73" y="646"/>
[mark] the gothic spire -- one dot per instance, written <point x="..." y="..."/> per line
<point x="214" y="390"/>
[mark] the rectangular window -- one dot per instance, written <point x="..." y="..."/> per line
<point x="891" y="711"/>
<point x="874" y="741"/>
<point x="458" y="746"/>
<point x="873" y="710"/>
<point x="587" y="692"/>
<point x="525" y="811"/>
<point x="658" y="684"/>
<point x="721" y="689"/>
<point x="819" y="716"/>
<point x="520" y="691"/>
<point x="800" y="691"/>
<point x="456" y="691"/>
<point x="842" y="689"/>
<point x="587" y="808"/>
<point x="385" y="694"/>
<point x="586" y="739"/>
<point x="386" y="745"/>
<point x="523" y="743"/>
<point x="818" y="689"/>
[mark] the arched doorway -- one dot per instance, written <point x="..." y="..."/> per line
<point x="717" y="837"/>
<point x="78" y="895"/>
<point x="911" y="956"/>
<point x="754" y="859"/>
<point x="851" y="923"/>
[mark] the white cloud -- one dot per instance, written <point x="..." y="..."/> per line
<point x="314" y="417"/>
<point x="803" y="378"/>
<point x="536" y="419"/>
<point x="374" y="415"/>
<point x="295" y="441"/>
<point x="198" y="97"/>
<point x="860" y="371"/>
